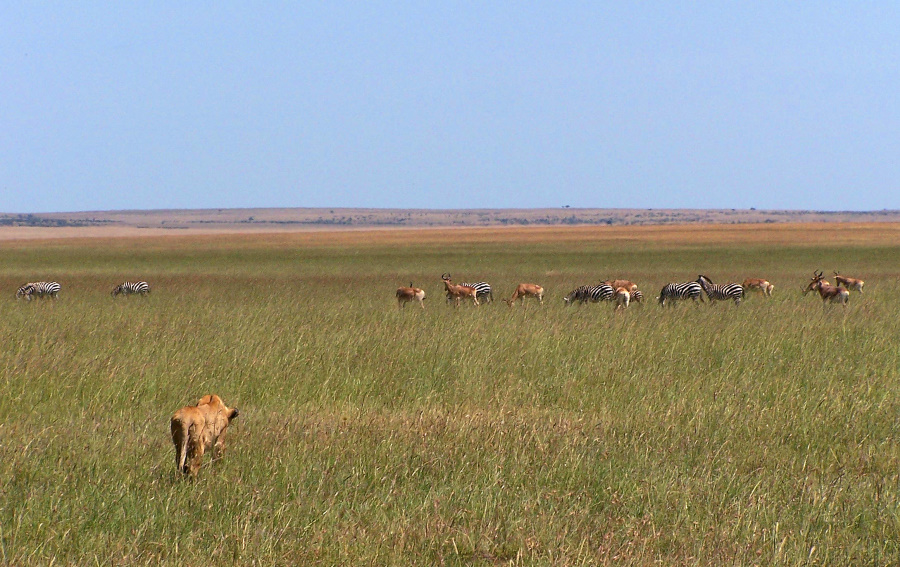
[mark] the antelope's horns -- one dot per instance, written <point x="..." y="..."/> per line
<point x="445" y="276"/>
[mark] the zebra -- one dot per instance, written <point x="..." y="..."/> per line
<point x="595" y="293"/>
<point x="721" y="292"/>
<point x="637" y="296"/>
<point x="687" y="290"/>
<point x="482" y="291"/>
<point x="38" y="289"/>
<point x="25" y="291"/>
<point x="129" y="288"/>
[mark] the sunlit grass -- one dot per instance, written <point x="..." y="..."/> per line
<point x="697" y="434"/>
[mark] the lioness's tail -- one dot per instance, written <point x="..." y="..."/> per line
<point x="180" y="435"/>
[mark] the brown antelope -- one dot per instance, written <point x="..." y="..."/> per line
<point x="849" y="283"/>
<point x="827" y="291"/>
<point x="616" y="284"/>
<point x="758" y="284"/>
<point x="458" y="292"/>
<point x="622" y="298"/>
<point x="526" y="290"/>
<point x="407" y="294"/>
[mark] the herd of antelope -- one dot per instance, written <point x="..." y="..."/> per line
<point x="620" y="292"/>
<point x="624" y="292"/>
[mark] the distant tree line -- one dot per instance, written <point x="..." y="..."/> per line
<point x="34" y="220"/>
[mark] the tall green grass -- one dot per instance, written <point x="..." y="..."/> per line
<point x="710" y="435"/>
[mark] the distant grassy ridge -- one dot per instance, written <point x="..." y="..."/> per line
<point x="765" y="434"/>
<point x="342" y="218"/>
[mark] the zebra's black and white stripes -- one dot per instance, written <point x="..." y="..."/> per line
<point x="721" y="292"/>
<point x="595" y="293"/>
<point x="129" y="288"/>
<point x="675" y="291"/>
<point x="38" y="289"/>
<point x="482" y="291"/>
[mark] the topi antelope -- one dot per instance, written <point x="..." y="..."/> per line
<point x="622" y="298"/>
<point x="407" y="294"/>
<point x="758" y="284"/>
<point x="827" y="291"/>
<point x="526" y="290"/>
<point x="616" y="284"/>
<point x="458" y="292"/>
<point x="849" y="283"/>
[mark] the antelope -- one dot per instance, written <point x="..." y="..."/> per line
<point x="622" y="298"/>
<point x="849" y="283"/>
<point x="526" y="290"/>
<point x="458" y="292"/>
<point x="407" y="294"/>
<point x="629" y="285"/>
<point x="827" y="291"/>
<point x="758" y="284"/>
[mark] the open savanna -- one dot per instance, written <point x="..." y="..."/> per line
<point x="765" y="434"/>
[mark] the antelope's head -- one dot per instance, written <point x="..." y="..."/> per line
<point x="815" y="283"/>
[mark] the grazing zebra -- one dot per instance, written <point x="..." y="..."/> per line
<point x="720" y="292"/>
<point x="637" y="296"/>
<point x="482" y="292"/>
<point x="595" y="293"/>
<point x="25" y="291"/>
<point x="38" y="289"/>
<point x="129" y="288"/>
<point x="687" y="290"/>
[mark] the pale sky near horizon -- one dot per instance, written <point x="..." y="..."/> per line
<point x="773" y="105"/>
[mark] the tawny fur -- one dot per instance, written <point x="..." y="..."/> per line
<point x="197" y="429"/>
<point x="849" y="283"/>
<point x="622" y="298"/>
<point x="458" y="292"/>
<point x="616" y="284"/>
<point x="827" y="291"/>
<point x="759" y="285"/>
<point x="407" y="294"/>
<point x="524" y="290"/>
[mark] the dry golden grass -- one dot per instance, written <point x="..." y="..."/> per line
<point x="786" y="234"/>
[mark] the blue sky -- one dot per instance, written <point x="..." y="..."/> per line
<point x="788" y="105"/>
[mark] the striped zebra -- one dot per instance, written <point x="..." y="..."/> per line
<point x="674" y="291"/>
<point x="38" y="289"/>
<point x="637" y="296"/>
<point x="129" y="288"/>
<point x="594" y="293"/>
<point x="721" y="292"/>
<point x="482" y="291"/>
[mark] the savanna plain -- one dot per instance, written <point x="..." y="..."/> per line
<point x="764" y="434"/>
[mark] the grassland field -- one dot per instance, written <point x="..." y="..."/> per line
<point x="765" y="434"/>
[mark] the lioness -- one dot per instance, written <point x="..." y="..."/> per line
<point x="195" y="429"/>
